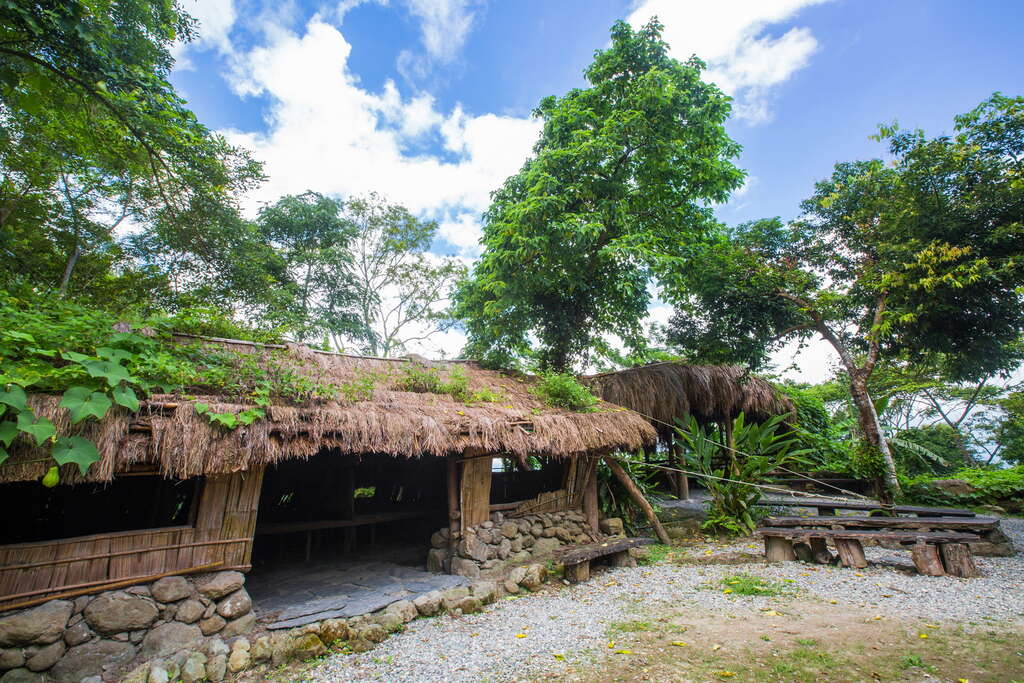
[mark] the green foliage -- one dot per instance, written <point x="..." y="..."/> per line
<point x="730" y="476"/>
<point x="932" y="449"/>
<point x="562" y="390"/>
<point x="1008" y="429"/>
<point x="620" y="183"/>
<point x="92" y="134"/>
<point x="1003" y="487"/>
<point x="98" y="362"/>
<point x="748" y="584"/>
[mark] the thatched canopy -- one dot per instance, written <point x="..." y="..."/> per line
<point x="168" y="435"/>
<point x="711" y="393"/>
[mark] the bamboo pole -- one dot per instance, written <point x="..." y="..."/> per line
<point x="100" y="586"/>
<point x="638" y="498"/>
<point x="136" y="551"/>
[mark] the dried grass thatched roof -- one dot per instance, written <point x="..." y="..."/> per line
<point x="169" y="435"/>
<point x="711" y="393"/>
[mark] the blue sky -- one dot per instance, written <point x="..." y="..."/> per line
<point x="428" y="101"/>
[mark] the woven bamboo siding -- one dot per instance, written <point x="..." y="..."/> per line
<point x="225" y="520"/>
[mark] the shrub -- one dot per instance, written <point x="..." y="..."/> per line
<point x="562" y="390"/>
<point x="731" y="476"/>
<point x="1003" y="487"/>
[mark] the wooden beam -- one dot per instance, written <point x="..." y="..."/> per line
<point x="638" y="498"/>
<point x="590" y="507"/>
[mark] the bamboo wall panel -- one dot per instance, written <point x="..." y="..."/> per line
<point x="222" y="532"/>
<point x="475" y="491"/>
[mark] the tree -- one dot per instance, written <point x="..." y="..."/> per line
<point x="401" y="289"/>
<point x="918" y="260"/>
<point x="93" y="135"/>
<point x="620" y="183"/>
<point x="311" y="240"/>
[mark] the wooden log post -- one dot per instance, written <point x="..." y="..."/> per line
<point x="453" y="508"/>
<point x="851" y="552"/>
<point x="638" y="498"/>
<point x="777" y="549"/>
<point x="622" y="559"/>
<point x="927" y="559"/>
<point x="590" y="506"/>
<point x="958" y="560"/>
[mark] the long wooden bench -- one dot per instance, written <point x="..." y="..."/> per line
<point x="577" y="558"/>
<point x="827" y="507"/>
<point x="935" y="553"/>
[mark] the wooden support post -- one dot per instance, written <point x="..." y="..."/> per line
<point x="927" y="560"/>
<point x="638" y="498"/>
<point x="682" y="486"/>
<point x="453" y="507"/>
<point x="576" y="573"/>
<point x="851" y="552"/>
<point x="958" y="560"/>
<point x="590" y="507"/>
<point x="777" y="549"/>
<point x="819" y="551"/>
<point x="623" y="559"/>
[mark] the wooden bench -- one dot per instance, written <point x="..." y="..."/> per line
<point x="935" y="553"/>
<point x="826" y="507"/>
<point x="577" y="558"/>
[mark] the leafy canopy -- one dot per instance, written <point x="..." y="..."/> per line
<point x="620" y="182"/>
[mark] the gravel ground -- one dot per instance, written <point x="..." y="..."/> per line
<point x="518" y="637"/>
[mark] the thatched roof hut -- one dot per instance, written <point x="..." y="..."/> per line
<point x="167" y="433"/>
<point x="663" y="392"/>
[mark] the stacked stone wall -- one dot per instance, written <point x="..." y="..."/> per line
<point x="491" y="547"/>
<point x="97" y="637"/>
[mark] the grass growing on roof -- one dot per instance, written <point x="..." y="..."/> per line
<point x="562" y="390"/>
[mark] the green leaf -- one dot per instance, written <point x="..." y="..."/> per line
<point x="41" y="429"/>
<point x="8" y="430"/>
<point x="125" y="396"/>
<point x="113" y="372"/>
<point x="20" y="336"/>
<point x="116" y="355"/>
<point x="82" y="402"/>
<point x="77" y="450"/>
<point x="202" y="408"/>
<point x="75" y="356"/>
<point x="4" y="455"/>
<point x="14" y="396"/>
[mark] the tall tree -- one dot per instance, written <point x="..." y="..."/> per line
<point x="93" y="134"/>
<point x="402" y="290"/>
<point x="921" y="259"/>
<point x="311" y="240"/>
<point x="620" y="183"/>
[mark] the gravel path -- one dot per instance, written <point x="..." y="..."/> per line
<point x="518" y="637"/>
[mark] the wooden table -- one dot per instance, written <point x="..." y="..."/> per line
<point x="276" y="528"/>
<point x="940" y="544"/>
<point x="827" y="507"/>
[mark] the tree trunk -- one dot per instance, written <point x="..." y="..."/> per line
<point x="68" y="269"/>
<point x="638" y="498"/>
<point x="872" y="430"/>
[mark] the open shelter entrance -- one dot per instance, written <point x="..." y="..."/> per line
<point x="345" y="534"/>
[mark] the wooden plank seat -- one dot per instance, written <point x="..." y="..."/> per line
<point x="577" y="558"/>
<point x="828" y="507"/>
<point x="934" y="552"/>
<point x="969" y="524"/>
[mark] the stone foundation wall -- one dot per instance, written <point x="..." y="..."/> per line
<point x="97" y="637"/>
<point x="485" y="550"/>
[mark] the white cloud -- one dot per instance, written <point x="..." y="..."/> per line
<point x="444" y="27"/>
<point x="730" y="36"/>
<point x="327" y="133"/>
<point x="215" y="19"/>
